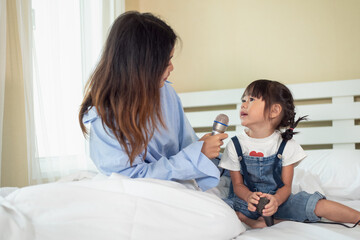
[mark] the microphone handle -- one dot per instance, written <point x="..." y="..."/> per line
<point x="215" y="132"/>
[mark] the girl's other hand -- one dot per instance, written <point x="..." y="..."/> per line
<point x="253" y="200"/>
<point x="272" y="207"/>
<point x="211" y="146"/>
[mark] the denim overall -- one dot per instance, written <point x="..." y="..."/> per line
<point x="263" y="174"/>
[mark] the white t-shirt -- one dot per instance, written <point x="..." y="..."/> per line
<point x="263" y="147"/>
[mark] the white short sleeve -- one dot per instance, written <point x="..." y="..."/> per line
<point x="293" y="153"/>
<point x="229" y="158"/>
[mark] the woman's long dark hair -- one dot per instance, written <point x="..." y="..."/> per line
<point x="125" y="86"/>
<point x="273" y="92"/>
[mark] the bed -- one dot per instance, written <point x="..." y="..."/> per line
<point x="87" y="205"/>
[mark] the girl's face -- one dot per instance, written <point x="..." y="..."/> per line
<point x="168" y="70"/>
<point x="252" y="112"/>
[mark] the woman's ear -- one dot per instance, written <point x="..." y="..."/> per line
<point x="275" y="111"/>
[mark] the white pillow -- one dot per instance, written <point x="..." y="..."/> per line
<point x="306" y="181"/>
<point x="336" y="172"/>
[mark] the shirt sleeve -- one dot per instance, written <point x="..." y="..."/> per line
<point x="293" y="153"/>
<point x="229" y="159"/>
<point x="189" y="163"/>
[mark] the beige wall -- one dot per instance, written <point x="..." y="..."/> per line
<point x="14" y="158"/>
<point x="229" y="43"/>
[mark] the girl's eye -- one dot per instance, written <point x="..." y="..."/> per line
<point x="243" y="100"/>
<point x="251" y="99"/>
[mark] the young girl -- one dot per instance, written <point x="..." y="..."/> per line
<point x="138" y="126"/>
<point x="261" y="161"/>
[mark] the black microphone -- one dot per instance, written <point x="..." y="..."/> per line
<point x="220" y="124"/>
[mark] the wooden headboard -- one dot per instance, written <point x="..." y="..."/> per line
<point x="333" y="109"/>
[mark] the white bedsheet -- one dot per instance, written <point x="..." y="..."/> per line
<point x="115" y="208"/>
<point x="301" y="231"/>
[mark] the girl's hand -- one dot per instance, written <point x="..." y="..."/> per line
<point x="272" y="207"/>
<point x="211" y="146"/>
<point x="253" y="200"/>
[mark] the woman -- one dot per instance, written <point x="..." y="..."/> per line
<point x="138" y="126"/>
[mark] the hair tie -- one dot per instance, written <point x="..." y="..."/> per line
<point x="292" y="129"/>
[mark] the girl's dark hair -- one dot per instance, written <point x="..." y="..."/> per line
<point x="273" y="92"/>
<point x="125" y="86"/>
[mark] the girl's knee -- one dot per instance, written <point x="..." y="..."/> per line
<point x="320" y="207"/>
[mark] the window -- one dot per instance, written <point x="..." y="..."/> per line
<point x="68" y="38"/>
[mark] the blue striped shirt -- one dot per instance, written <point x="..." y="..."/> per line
<point x="172" y="153"/>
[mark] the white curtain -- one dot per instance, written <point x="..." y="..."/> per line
<point x="2" y="69"/>
<point x="67" y="44"/>
<point x="24" y="20"/>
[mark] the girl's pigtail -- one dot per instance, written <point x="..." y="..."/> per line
<point x="289" y="133"/>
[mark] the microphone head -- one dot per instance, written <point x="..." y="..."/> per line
<point x="220" y="124"/>
<point x="222" y="118"/>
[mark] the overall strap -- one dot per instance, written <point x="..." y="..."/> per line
<point x="277" y="175"/>
<point x="242" y="163"/>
